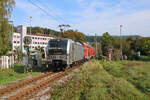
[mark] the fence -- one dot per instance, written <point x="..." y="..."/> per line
<point x="6" y="62"/>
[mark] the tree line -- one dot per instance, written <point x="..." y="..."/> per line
<point x="71" y="34"/>
<point x="130" y="46"/>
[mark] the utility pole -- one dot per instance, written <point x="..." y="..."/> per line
<point x="27" y="42"/>
<point x="121" y="42"/>
<point x="88" y="37"/>
<point x="61" y="29"/>
<point x="96" y="44"/>
<point x="30" y="24"/>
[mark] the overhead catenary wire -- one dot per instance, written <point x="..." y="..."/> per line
<point x="60" y="22"/>
<point x="59" y="17"/>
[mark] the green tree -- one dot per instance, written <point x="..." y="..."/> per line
<point x="107" y="42"/>
<point x="38" y="30"/>
<point x="138" y="43"/>
<point x="146" y="47"/>
<point x="74" y="35"/>
<point x="5" y="11"/>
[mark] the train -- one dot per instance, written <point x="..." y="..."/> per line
<point x="63" y="52"/>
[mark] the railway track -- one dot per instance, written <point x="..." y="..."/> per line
<point x="13" y="88"/>
<point x="28" y="91"/>
<point x="24" y="83"/>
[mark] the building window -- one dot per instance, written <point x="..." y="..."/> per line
<point x="14" y="41"/>
<point x="17" y="41"/>
<point x="18" y="36"/>
<point x="35" y="42"/>
<point x="14" y="36"/>
<point x="35" y="37"/>
<point x="32" y="37"/>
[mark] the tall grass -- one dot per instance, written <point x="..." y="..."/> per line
<point x="136" y="72"/>
<point x="95" y="83"/>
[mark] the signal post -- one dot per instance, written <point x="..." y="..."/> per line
<point x="27" y="42"/>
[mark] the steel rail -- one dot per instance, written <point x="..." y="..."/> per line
<point x="24" y="83"/>
<point x="40" y="85"/>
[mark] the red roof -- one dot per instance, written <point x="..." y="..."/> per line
<point x="40" y="34"/>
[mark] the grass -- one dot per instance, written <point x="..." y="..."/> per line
<point x="12" y="74"/>
<point x="144" y="58"/>
<point x="93" y="82"/>
<point x="135" y="72"/>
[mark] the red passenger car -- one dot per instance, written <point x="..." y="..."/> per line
<point x="89" y="52"/>
<point x="85" y="51"/>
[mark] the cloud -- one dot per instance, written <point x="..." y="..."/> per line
<point x="39" y="18"/>
<point x="92" y="16"/>
<point x="136" y="23"/>
<point x="135" y="20"/>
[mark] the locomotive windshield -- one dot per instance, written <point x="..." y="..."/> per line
<point x="58" y="44"/>
<point x="57" y="47"/>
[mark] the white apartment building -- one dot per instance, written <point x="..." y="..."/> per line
<point x="16" y="41"/>
<point x="37" y="41"/>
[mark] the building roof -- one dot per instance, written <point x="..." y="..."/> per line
<point x="39" y="34"/>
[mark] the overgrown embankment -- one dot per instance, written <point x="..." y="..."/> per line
<point x="93" y="82"/>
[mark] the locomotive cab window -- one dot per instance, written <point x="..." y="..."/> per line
<point x="57" y="47"/>
<point x="58" y="44"/>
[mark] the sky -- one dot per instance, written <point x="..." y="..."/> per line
<point x="87" y="16"/>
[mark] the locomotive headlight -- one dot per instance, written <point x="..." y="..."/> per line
<point x="59" y="57"/>
<point x="52" y="56"/>
<point x="63" y="56"/>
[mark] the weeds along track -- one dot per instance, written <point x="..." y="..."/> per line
<point x="25" y="93"/>
<point x="14" y="88"/>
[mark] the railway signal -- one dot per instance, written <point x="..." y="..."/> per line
<point x="27" y="42"/>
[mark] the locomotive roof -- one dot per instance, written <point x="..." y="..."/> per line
<point x="61" y="39"/>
